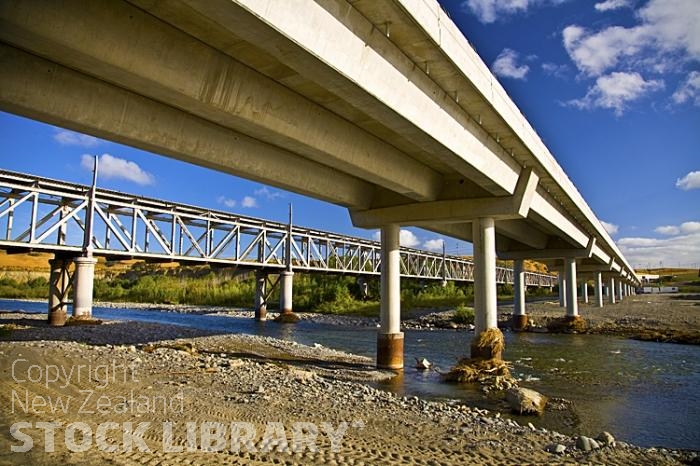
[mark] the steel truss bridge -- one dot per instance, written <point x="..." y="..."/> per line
<point x="50" y="215"/>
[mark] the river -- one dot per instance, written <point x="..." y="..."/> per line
<point x="643" y="392"/>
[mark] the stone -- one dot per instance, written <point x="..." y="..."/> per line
<point x="606" y="439"/>
<point x="423" y="364"/>
<point x="584" y="443"/>
<point x="526" y="401"/>
<point x="557" y="448"/>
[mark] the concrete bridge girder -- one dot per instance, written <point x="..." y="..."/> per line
<point x="161" y="62"/>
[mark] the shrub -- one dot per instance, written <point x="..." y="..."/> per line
<point x="463" y="315"/>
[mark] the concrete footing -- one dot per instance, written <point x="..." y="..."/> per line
<point x="83" y="280"/>
<point x="390" y="350"/>
<point x="59" y="282"/>
<point x="519" y="322"/>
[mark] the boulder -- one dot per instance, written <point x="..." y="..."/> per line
<point x="606" y="439"/>
<point x="423" y="364"/>
<point x="526" y="401"/>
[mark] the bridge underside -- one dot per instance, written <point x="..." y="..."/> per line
<point x="381" y="107"/>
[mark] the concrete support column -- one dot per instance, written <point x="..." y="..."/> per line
<point x="571" y="297"/>
<point x="485" y="293"/>
<point x="83" y="280"/>
<point x="260" y="304"/>
<point x="286" y="296"/>
<point x="562" y="286"/>
<point x="599" y="289"/>
<point x="59" y="282"/>
<point x="519" y="316"/>
<point x="584" y="291"/>
<point x="611" y="291"/>
<point x="390" y="338"/>
<point x="619" y="290"/>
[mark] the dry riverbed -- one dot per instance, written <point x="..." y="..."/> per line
<point x="295" y="405"/>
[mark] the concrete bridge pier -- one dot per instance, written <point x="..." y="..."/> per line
<point x="563" y="285"/>
<point x="584" y="290"/>
<point x="620" y="292"/>
<point x="611" y="290"/>
<point x="599" y="289"/>
<point x="571" y="298"/>
<point x="485" y="297"/>
<point x="519" y="315"/>
<point x="260" y="304"/>
<point x="59" y="283"/>
<point x="83" y="280"/>
<point x="286" y="285"/>
<point x="390" y="337"/>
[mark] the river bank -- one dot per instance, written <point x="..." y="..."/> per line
<point x="258" y="381"/>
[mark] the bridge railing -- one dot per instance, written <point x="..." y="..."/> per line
<point x="44" y="214"/>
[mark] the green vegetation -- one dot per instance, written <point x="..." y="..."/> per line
<point x="33" y="288"/>
<point x="463" y="315"/>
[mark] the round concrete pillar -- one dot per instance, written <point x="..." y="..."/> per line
<point x="286" y="309"/>
<point x="571" y="295"/>
<point x="390" y="338"/>
<point x="83" y="279"/>
<point x="519" y="316"/>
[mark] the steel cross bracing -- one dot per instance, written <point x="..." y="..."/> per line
<point x="50" y="215"/>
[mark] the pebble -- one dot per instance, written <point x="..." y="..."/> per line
<point x="557" y="448"/>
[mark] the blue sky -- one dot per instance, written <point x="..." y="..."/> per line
<point x="612" y="87"/>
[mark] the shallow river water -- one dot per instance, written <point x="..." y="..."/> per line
<point x="642" y="392"/>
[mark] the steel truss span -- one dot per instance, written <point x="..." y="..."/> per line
<point x="49" y="215"/>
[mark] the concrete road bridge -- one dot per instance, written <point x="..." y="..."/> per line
<point x="382" y="107"/>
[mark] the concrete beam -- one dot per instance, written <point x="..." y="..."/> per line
<point x="126" y="46"/>
<point x="455" y="211"/>
<point x="42" y="90"/>
<point x="551" y="253"/>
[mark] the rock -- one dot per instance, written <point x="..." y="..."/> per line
<point x="585" y="443"/>
<point x="526" y="401"/>
<point x="423" y="364"/>
<point x="594" y="444"/>
<point x="557" y="448"/>
<point x="606" y="439"/>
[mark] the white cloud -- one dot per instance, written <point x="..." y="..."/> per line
<point x="269" y="194"/>
<point x="689" y="181"/>
<point x="690" y="227"/>
<point x="506" y="65"/>
<point x="71" y="138"/>
<point x="616" y="90"/>
<point x="681" y="249"/>
<point x="434" y="244"/>
<point x="555" y="70"/>
<point x="489" y="11"/>
<point x="667" y="33"/>
<point x="249" y="202"/>
<point x="611" y="228"/>
<point x="406" y="238"/>
<point x="230" y="203"/>
<point x="113" y="167"/>
<point x="669" y="230"/>
<point x="689" y="90"/>
<point x="612" y="5"/>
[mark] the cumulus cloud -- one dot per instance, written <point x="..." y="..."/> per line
<point x="406" y="238"/>
<point x="489" y="11"/>
<point x="666" y="32"/>
<point x="612" y="5"/>
<point x="434" y="245"/>
<point x="689" y="181"/>
<point x="268" y="193"/>
<point x="71" y="138"/>
<point x="689" y="90"/>
<point x="682" y="247"/>
<point x="616" y="90"/>
<point x="667" y="230"/>
<point x="611" y="228"/>
<point x="249" y="202"/>
<point x="506" y="65"/>
<point x="228" y="202"/>
<point x="115" y="167"/>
